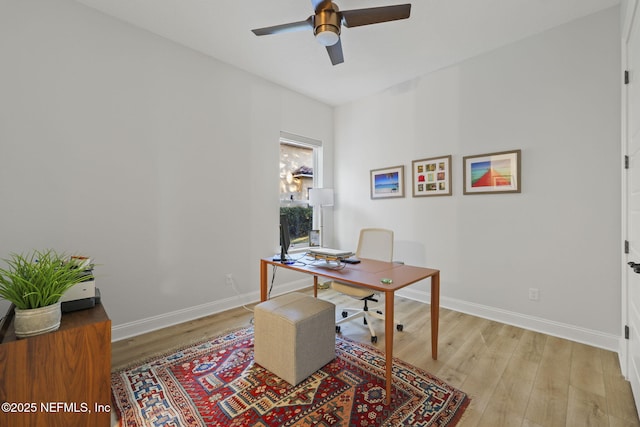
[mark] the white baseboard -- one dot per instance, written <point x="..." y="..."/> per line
<point x="149" y="324"/>
<point x="549" y="327"/>
<point x="570" y="332"/>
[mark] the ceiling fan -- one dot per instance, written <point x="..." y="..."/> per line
<point x="327" y="20"/>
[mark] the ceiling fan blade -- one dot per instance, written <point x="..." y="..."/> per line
<point x="375" y="15"/>
<point x="335" y="53"/>
<point x="285" y="28"/>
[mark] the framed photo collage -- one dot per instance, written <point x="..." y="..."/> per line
<point x="482" y="174"/>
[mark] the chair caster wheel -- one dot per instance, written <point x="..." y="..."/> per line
<point x="399" y="328"/>
<point x="378" y="311"/>
<point x="337" y="329"/>
<point x="374" y="339"/>
<point x="345" y="314"/>
<point x="365" y="321"/>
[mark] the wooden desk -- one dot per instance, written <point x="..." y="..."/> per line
<point x="62" y="378"/>
<point x="368" y="273"/>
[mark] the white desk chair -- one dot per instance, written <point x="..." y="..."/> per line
<point x="374" y="243"/>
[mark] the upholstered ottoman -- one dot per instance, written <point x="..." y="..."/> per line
<point x="294" y="335"/>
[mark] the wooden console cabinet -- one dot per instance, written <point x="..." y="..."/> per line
<point x="61" y="378"/>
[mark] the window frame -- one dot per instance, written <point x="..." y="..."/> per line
<point x="316" y="145"/>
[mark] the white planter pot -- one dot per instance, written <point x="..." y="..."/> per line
<point x="36" y="321"/>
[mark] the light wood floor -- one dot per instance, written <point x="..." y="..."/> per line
<point x="514" y="377"/>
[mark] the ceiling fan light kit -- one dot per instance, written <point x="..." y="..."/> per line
<point x="327" y="20"/>
<point x="327" y="35"/>
<point x="327" y="26"/>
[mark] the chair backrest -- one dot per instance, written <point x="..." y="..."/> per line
<point x="375" y="243"/>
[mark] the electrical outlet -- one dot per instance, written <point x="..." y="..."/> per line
<point x="534" y="294"/>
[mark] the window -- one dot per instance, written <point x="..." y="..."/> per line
<point x="299" y="159"/>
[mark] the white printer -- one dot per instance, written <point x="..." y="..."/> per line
<point x="84" y="294"/>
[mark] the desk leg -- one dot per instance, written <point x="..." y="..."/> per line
<point x="263" y="280"/>
<point x="388" y="341"/>
<point x="315" y="286"/>
<point x="435" y="314"/>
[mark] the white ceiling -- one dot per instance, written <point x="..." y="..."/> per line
<point x="438" y="33"/>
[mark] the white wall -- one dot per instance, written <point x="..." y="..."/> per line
<point x="556" y="97"/>
<point x="121" y="145"/>
<point x="124" y="146"/>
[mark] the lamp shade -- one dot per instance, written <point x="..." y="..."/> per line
<point x="321" y="196"/>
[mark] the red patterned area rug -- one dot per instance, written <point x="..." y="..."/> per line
<point x="216" y="383"/>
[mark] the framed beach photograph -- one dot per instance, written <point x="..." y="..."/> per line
<point x="492" y="173"/>
<point x="432" y="177"/>
<point x="387" y="183"/>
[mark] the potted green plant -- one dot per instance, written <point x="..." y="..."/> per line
<point x="34" y="283"/>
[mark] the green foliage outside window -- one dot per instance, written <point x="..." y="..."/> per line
<point x="300" y="223"/>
